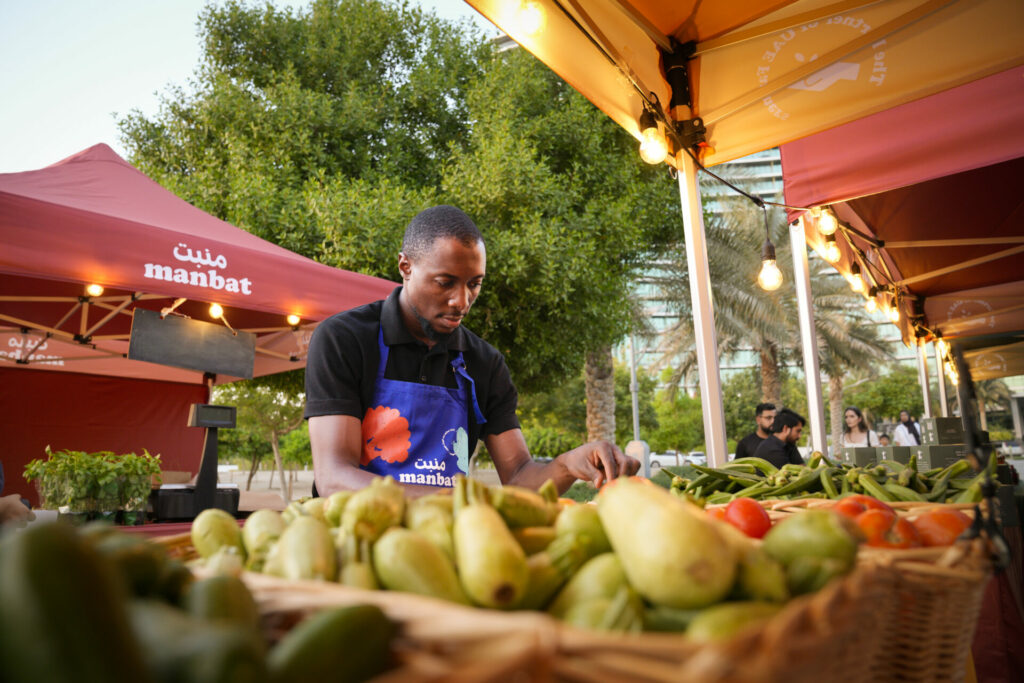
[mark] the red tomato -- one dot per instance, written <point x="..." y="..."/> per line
<point x="747" y="515"/>
<point x="884" y="529"/>
<point x="869" y="502"/>
<point x="849" y="507"/>
<point x="716" y="513"/>
<point x="941" y="525"/>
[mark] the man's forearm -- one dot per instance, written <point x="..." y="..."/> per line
<point x="533" y="474"/>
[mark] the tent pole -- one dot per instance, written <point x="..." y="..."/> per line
<point x="808" y="339"/>
<point x="703" y="312"/>
<point x="922" y="377"/>
<point x="941" y="377"/>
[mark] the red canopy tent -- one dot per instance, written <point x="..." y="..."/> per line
<point x="94" y="219"/>
<point x="928" y="197"/>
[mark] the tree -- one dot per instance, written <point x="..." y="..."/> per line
<point x="264" y="412"/>
<point x="884" y="398"/>
<point x="989" y="393"/>
<point x="325" y="129"/>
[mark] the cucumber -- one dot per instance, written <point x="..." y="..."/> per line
<point x="339" y="645"/>
<point x="406" y="561"/>
<point x="63" y="614"/>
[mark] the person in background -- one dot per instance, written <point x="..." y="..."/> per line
<point x="780" y="448"/>
<point x="764" y="416"/>
<point x="856" y="431"/>
<point x="883" y="439"/>
<point x="906" y="432"/>
<point x="400" y="388"/>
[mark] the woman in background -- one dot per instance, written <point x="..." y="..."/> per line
<point x="856" y="431"/>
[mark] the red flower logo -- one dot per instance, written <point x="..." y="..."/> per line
<point x="385" y="435"/>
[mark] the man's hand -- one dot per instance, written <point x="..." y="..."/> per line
<point x="598" y="462"/>
<point x="13" y="511"/>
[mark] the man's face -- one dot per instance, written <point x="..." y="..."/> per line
<point x="764" y="420"/>
<point x="440" y="286"/>
<point x="794" y="434"/>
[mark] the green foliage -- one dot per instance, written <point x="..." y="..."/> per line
<point x="883" y="399"/>
<point x="325" y="129"/>
<point x="93" y="482"/>
<point x="295" y="448"/>
<point x="680" y="423"/>
<point x="549" y="442"/>
<point x="562" y="410"/>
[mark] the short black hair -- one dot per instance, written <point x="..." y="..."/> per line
<point x="438" y="221"/>
<point x="787" y="418"/>
<point x="761" y="407"/>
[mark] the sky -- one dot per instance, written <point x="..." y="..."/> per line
<point x="69" y="69"/>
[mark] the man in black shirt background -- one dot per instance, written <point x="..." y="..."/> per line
<point x="764" y="416"/>
<point x="780" y="448"/>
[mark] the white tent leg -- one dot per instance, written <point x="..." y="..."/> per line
<point x="703" y="313"/>
<point x="941" y="376"/>
<point x="922" y="377"/>
<point x="808" y="339"/>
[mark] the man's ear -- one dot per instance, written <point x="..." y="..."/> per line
<point x="404" y="265"/>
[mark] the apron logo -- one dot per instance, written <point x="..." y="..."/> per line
<point x="782" y="49"/>
<point x="455" y="442"/>
<point x="209" y="278"/>
<point x="389" y="437"/>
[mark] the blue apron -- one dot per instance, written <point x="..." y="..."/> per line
<point x="418" y="433"/>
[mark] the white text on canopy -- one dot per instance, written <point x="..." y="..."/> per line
<point x="208" y="278"/>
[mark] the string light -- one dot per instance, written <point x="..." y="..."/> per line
<point x="894" y="310"/>
<point x="871" y="305"/>
<point x="770" y="277"/>
<point x="653" y="147"/>
<point x="827" y="223"/>
<point x="529" y="19"/>
<point x="293" y="320"/>
<point x="216" y="311"/>
<point x="831" y="250"/>
<point x="855" y="280"/>
<point x="94" y="290"/>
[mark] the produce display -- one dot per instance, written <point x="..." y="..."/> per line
<point x="888" y="481"/>
<point x="85" y="604"/>
<point x="639" y="559"/>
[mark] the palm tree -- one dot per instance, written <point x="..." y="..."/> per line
<point x="989" y="393"/>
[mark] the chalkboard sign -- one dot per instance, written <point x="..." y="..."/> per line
<point x="191" y="344"/>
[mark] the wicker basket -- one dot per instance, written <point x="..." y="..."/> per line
<point x="928" y="626"/>
<point x="818" y="637"/>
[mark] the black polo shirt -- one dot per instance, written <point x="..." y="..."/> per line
<point x="748" y="446"/>
<point x="341" y="366"/>
<point x="778" y="452"/>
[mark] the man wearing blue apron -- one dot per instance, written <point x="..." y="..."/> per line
<point x="399" y="387"/>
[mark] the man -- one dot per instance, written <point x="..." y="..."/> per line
<point x="764" y="415"/>
<point x="906" y="432"/>
<point x="780" y="448"/>
<point x="398" y="387"/>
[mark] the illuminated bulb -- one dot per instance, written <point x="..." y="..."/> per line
<point x="827" y="224"/>
<point x="831" y="250"/>
<point x="216" y="311"/>
<point x="770" y="277"/>
<point x="942" y="347"/>
<point x="871" y="305"/>
<point x="530" y="18"/>
<point x="856" y="281"/>
<point x="653" y="148"/>
<point x="894" y="313"/>
<point x="293" y="320"/>
<point x="94" y="290"/>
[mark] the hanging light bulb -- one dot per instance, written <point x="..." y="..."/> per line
<point x="770" y="277"/>
<point x="293" y="320"/>
<point x="827" y="224"/>
<point x="216" y="311"/>
<point x="894" y="310"/>
<point x="855" y="280"/>
<point x="831" y="250"/>
<point x="653" y="148"/>
<point x="871" y="305"/>
<point x="94" y="290"/>
<point x="942" y="347"/>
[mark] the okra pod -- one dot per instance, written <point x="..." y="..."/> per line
<point x="874" y="489"/>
